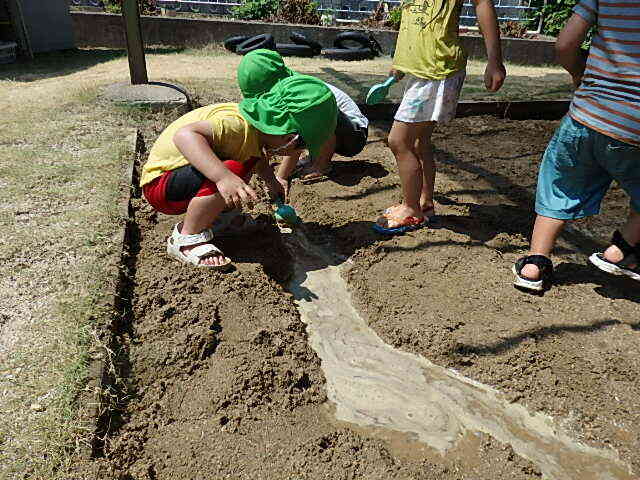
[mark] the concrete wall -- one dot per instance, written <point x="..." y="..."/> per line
<point x="48" y="24"/>
<point x="106" y="30"/>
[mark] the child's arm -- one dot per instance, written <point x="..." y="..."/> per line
<point x="487" y="21"/>
<point x="265" y="171"/>
<point x="568" y="50"/>
<point x="194" y="142"/>
<point x="288" y="164"/>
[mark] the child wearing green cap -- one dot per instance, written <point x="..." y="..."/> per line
<point x="260" y="70"/>
<point x="201" y="163"/>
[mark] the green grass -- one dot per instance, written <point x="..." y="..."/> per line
<point x="61" y="170"/>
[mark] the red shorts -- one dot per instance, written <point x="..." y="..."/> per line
<point x="171" y="192"/>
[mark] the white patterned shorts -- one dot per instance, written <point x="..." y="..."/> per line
<point x="430" y="100"/>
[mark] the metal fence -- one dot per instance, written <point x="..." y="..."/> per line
<point x="347" y="11"/>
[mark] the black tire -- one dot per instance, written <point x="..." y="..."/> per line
<point x="348" y="53"/>
<point x="360" y="39"/>
<point x="293" y="50"/>
<point x="375" y="45"/>
<point x="300" y="39"/>
<point x="230" y="43"/>
<point x="259" y="41"/>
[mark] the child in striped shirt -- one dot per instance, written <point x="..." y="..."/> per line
<point x="596" y="143"/>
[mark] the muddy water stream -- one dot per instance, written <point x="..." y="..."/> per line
<point x="375" y="385"/>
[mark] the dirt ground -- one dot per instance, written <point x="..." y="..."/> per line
<point x="220" y="380"/>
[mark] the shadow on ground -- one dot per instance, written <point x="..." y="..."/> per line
<point x="66" y="62"/>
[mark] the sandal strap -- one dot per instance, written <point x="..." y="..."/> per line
<point x="206" y="250"/>
<point x="543" y="263"/>
<point x="181" y="240"/>
<point x="631" y="254"/>
<point x="402" y="221"/>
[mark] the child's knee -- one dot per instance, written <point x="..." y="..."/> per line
<point x="399" y="144"/>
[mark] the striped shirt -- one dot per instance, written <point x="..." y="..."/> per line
<point x="608" y="100"/>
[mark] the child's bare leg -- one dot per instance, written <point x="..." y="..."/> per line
<point x="424" y="148"/>
<point x="201" y="213"/>
<point x="402" y="141"/>
<point x="288" y="164"/>
<point x="630" y="232"/>
<point x="545" y="234"/>
<point x="321" y="164"/>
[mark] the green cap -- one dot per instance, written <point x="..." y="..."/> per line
<point x="299" y="103"/>
<point x="259" y="71"/>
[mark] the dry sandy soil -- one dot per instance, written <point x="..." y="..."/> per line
<point x="220" y="379"/>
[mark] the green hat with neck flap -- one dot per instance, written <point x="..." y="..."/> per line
<point x="259" y="71"/>
<point x="297" y="104"/>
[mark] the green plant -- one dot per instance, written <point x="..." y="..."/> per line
<point x="256" y="9"/>
<point x="146" y="6"/>
<point x="299" y="11"/>
<point x="555" y="14"/>
<point x="513" y="29"/>
<point x="395" y="17"/>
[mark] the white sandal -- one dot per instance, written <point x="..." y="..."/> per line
<point x="177" y="240"/>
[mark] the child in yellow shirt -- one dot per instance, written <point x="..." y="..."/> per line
<point x="201" y="163"/>
<point x="429" y="54"/>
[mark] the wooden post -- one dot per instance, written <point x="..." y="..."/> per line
<point x="135" y="46"/>
<point x="19" y="27"/>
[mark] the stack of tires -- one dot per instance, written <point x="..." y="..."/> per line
<point x="347" y="46"/>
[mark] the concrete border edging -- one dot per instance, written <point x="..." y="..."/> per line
<point x="107" y="30"/>
<point x="96" y="396"/>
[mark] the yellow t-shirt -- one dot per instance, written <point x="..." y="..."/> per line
<point x="428" y="45"/>
<point x="233" y="139"/>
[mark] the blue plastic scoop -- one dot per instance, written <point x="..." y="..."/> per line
<point x="379" y="92"/>
<point x="286" y="213"/>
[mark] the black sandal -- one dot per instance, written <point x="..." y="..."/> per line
<point x="546" y="272"/>
<point x="630" y="263"/>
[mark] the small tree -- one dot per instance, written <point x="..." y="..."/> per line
<point x="555" y="15"/>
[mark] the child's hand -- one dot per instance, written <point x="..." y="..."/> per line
<point x="235" y="192"/>
<point x="284" y="183"/>
<point x="397" y="74"/>
<point x="494" y="76"/>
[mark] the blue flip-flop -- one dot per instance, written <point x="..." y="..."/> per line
<point x="402" y="229"/>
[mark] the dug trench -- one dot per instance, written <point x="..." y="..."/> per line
<point x="220" y="377"/>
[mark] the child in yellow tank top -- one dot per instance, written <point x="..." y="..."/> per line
<point x="429" y="54"/>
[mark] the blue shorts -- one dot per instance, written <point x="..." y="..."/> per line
<point x="577" y="169"/>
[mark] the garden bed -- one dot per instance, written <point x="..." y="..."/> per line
<point x="221" y="380"/>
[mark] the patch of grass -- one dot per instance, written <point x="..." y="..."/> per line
<point x="62" y="164"/>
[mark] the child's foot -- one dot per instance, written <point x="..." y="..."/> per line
<point x="214" y="260"/>
<point x="533" y="272"/>
<point x="428" y="212"/>
<point x="399" y="219"/>
<point x="312" y="174"/>
<point x="196" y="249"/>
<point x="619" y="259"/>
